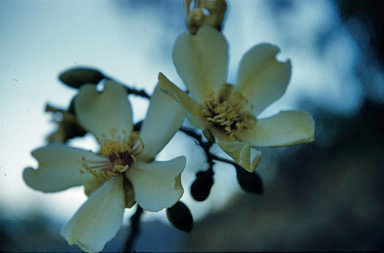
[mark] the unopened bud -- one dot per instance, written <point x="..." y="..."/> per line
<point x="76" y="77"/>
<point x="249" y="182"/>
<point x="180" y="216"/>
<point x="201" y="187"/>
<point x="205" y="12"/>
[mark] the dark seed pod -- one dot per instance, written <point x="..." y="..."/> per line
<point x="249" y="182"/>
<point x="76" y="77"/>
<point x="180" y="217"/>
<point x="201" y="187"/>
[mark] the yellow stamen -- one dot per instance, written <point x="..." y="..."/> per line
<point x="121" y="151"/>
<point x="227" y="112"/>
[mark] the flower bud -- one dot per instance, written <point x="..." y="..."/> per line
<point x="76" y="77"/>
<point x="202" y="185"/>
<point x="180" y="216"/>
<point x="249" y="182"/>
<point x="205" y="12"/>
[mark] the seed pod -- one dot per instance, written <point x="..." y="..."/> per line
<point x="180" y="217"/>
<point x="76" y="77"/>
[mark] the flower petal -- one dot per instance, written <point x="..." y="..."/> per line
<point x="157" y="185"/>
<point x="201" y="61"/>
<point x="192" y="108"/>
<point x="92" y="185"/>
<point x="284" y="129"/>
<point x="99" y="113"/>
<point x="164" y="118"/>
<point x="242" y="153"/>
<point x="262" y="79"/>
<point x="98" y="219"/>
<point x="59" y="168"/>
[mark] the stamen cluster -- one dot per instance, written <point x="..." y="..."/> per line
<point x="227" y="113"/>
<point x="121" y="155"/>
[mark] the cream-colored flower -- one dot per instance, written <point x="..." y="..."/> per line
<point x="122" y="173"/>
<point x="228" y="113"/>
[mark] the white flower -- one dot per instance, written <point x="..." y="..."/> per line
<point x="122" y="173"/>
<point x="228" y="113"/>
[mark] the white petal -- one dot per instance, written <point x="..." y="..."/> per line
<point x="284" y="129"/>
<point x="163" y="119"/>
<point x="98" y="219"/>
<point x="157" y="185"/>
<point x="192" y="108"/>
<point x="262" y="79"/>
<point x="242" y="153"/>
<point x="59" y="168"/>
<point x="99" y="113"/>
<point x="92" y="185"/>
<point x="201" y="61"/>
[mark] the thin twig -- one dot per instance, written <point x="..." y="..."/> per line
<point x="140" y="93"/>
<point x="224" y="160"/>
<point x="206" y="147"/>
<point x="135" y="229"/>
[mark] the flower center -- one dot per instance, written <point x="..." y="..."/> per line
<point x="121" y="155"/>
<point x="227" y="113"/>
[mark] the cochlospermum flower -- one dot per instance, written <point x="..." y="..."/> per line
<point x="122" y="172"/>
<point x="228" y="113"/>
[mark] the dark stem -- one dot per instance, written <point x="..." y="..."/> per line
<point x="223" y="160"/>
<point x="135" y="229"/>
<point x="206" y="146"/>
<point x="140" y="93"/>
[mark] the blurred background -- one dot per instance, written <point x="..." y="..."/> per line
<point x="324" y="195"/>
